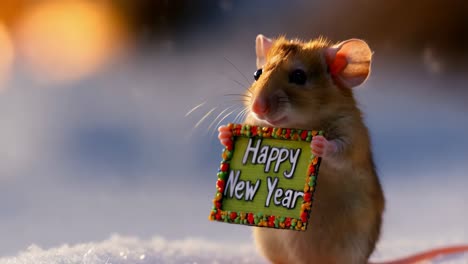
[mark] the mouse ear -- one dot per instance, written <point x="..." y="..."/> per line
<point x="349" y="62"/>
<point x="262" y="46"/>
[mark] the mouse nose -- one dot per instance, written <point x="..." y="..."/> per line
<point x="260" y="106"/>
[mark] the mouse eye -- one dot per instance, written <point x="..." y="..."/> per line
<point x="298" y="76"/>
<point x="257" y="74"/>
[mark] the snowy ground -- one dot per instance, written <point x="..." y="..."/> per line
<point x="132" y="250"/>
<point x="124" y="250"/>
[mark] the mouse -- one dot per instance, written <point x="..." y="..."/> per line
<point x="309" y="85"/>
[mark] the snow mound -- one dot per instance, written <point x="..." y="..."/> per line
<point x="125" y="250"/>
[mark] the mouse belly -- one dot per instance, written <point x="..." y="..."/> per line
<point x="343" y="227"/>
<point x="309" y="247"/>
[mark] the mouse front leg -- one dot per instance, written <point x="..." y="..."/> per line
<point x="331" y="150"/>
<point x="322" y="147"/>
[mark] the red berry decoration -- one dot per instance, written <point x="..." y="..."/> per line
<point x="218" y="215"/>
<point x="229" y="145"/>
<point x="224" y="166"/>
<point x="304" y="217"/>
<point x="271" y="221"/>
<point x="250" y="218"/>
<point x="311" y="169"/>
<point x="220" y="184"/>
<point x="307" y="197"/>
<point x="270" y="130"/>
<point x="254" y="131"/>
<point x="233" y="216"/>
<point x="238" y="129"/>
<point x="304" y="135"/>
<point x="287" y="222"/>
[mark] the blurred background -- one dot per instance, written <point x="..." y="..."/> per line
<point x="94" y="137"/>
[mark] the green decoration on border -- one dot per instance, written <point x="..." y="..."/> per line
<point x="267" y="178"/>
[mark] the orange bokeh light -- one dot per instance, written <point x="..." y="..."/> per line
<point x="68" y="40"/>
<point x="7" y="54"/>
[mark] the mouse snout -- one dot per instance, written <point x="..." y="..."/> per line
<point x="260" y="106"/>
<point x="271" y="108"/>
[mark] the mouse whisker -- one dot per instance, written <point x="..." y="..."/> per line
<point x="239" y="71"/>
<point x="225" y="116"/>
<point x="282" y="102"/>
<point x="204" y="117"/>
<point x="194" y="108"/>
<point x="250" y="91"/>
<point x="241" y="85"/>
<point x="237" y="82"/>
<point x="238" y="115"/>
<point x="246" y="112"/>
<point x="301" y="99"/>
<point x="242" y="95"/>
<point x="219" y="115"/>
<point x="245" y="77"/>
<point x="241" y="99"/>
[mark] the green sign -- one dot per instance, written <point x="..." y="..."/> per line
<point x="267" y="178"/>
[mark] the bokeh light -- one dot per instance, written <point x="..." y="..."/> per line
<point x="68" y="40"/>
<point x="7" y="55"/>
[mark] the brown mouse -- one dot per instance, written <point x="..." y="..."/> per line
<point x="309" y="85"/>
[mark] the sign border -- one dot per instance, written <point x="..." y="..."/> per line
<point x="259" y="219"/>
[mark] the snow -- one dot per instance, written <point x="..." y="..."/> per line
<point x="123" y="250"/>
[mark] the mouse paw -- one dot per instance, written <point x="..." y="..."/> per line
<point x="224" y="135"/>
<point x="321" y="147"/>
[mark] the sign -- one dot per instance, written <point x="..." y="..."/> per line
<point x="267" y="178"/>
